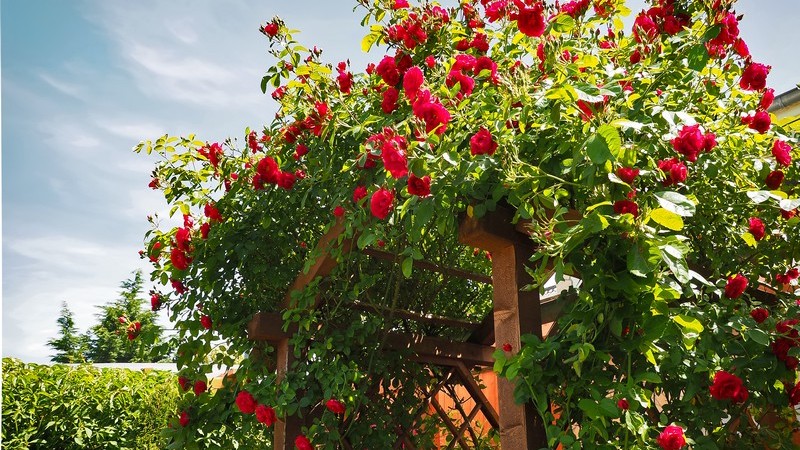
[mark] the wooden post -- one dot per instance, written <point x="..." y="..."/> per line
<point x="516" y="313"/>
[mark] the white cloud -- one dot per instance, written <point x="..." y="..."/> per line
<point x="73" y="90"/>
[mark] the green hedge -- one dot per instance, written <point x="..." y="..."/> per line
<point x="81" y="407"/>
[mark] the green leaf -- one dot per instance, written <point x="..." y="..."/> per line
<point x="758" y="336"/>
<point x="667" y="219"/>
<point x="563" y="23"/>
<point x="638" y="265"/>
<point x="689" y="324"/>
<point x="408" y="263"/>
<point x="650" y="377"/>
<point x="368" y="41"/>
<point x="605" y="145"/>
<point x="698" y="57"/>
<point x="675" y="202"/>
<point x="676" y="262"/>
<point x="758" y="196"/>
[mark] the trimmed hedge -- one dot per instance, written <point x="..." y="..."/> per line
<point x="81" y="407"/>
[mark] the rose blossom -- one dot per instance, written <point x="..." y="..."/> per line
<point x="756" y="228"/>
<point x="627" y="174"/>
<point x="689" y="142"/>
<point x="782" y="152"/>
<point x="671" y="438"/>
<point x="794" y="394"/>
<point x="338" y="211"/>
<point x="530" y="19"/>
<point x="184" y="383"/>
<point x="754" y="77"/>
<point x="266" y="415"/>
<point x="760" y="122"/>
<point x="735" y="286"/>
<point x="358" y="193"/>
<point x="774" y="179"/>
<point x="759" y="314"/>
<point x="727" y="386"/>
<point x="767" y="99"/>
<point x="381" y="203"/>
<point x="389" y="102"/>
<point x="199" y="387"/>
<point x="419" y="186"/>
<point x="302" y="443"/>
<point x="246" y="402"/>
<point x="412" y="80"/>
<point x="335" y="406"/>
<point x="184" y="419"/>
<point x="623" y="404"/>
<point x="626" y="207"/>
<point x="205" y="321"/>
<point x="482" y="143"/>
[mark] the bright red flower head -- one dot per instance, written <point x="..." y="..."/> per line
<point x="735" y="286"/>
<point x="389" y="100"/>
<point x="794" y="394"/>
<point x="767" y="99"/>
<point x="338" y="211"/>
<point x="205" y="321"/>
<point x="623" y="404"/>
<point x="246" y="402"/>
<point x="419" y="186"/>
<point x="302" y="443"/>
<point x="199" y="387"/>
<point x="335" y="406"/>
<point x="760" y="121"/>
<point x="266" y="415"/>
<point x="626" y="207"/>
<point x="774" y="179"/>
<point x="644" y="28"/>
<point x="412" y="81"/>
<point x="671" y="438"/>
<point x="759" y="314"/>
<point x="754" y="77"/>
<point x="184" y="383"/>
<point x="627" y="174"/>
<point x="689" y="142"/>
<point x="394" y="156"/>
<point x="435" y="116"/>
<point x="482" y="143"/>
<point x="387" y="70"/>
<point x="155" y="302"/>
<point x="184" y="419"/>
<point x="727" y="386"/>
<point x="211" y="211"/>
<point x="358" y="193"/>
<point x="179" y="259"/>
<point x="507" y="347"/>
<point x="530" y="19"/>
<point x="756" y="228"/>
<point x="381" y="203"/>
<point x="782" y="152"/>
<point x="675" y="171"/>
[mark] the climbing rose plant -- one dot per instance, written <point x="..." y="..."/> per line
<point x="641" y="160"/>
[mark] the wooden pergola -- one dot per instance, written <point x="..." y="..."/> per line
<point x="515" y="312"/>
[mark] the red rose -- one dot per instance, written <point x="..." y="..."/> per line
<point x="623" y="404"/>
<point x="389" y="102"/>
<point x="184" y="419"/>
<point x="153" y="183"/>
<point x="627" y="174"/>
<point x="204" y="230"/>
<point x="381" y="203"/>
<point x="794" y="394"/>
<point x="671" y="438"/>
<point x="506" y="347"/>
<point x="412" y="80"/>
<point x="246" y="402"/>
<point x="179" y="259"/>
<point x="400" y="4"/>
<point x="184" y="383"/>
<point x="760" y="122"/>
<point x="183" y="237"/>
<point x="200" y="387"/>
<point x="358" y="193"/>
<point x="286" y="180"/>
<point x="689" y="142"/>
<point x="466" y="84"/>
<point x="211" y="211"/>
<point x="782" y="152"/>
<point x="387" y="69"/>
<point x="644" y="28"/>
<point x="741" y="49"/>
<point x="430" y="61"/>
<point x="530" y="19"/>
<point x="759" y="314"/>
<point x="754" y="77"/>
<point x="427" y="108"/>
<point x="419" y="186"/>
<point x="178" y="286"/>
<point x="394" y="156"/>
<point x="335" y="406"/>
<point x="270" y="29"/>
<point x="302" y="443"/>
<point x="767" y="99"/>
<point x="266" y="415"/>
<point x="735" y="286"/>
<point x="727" y="386"/>
<point x="300" y="151"/>
<point x="626" y="207"/>
<point x="774" y="179"/>
<point x="709" y="142"/>
<point x="757" y="228"/>
<point x="674" y="170"/>
<point x="205" y="321"/>
<point x="482" y="143"/>
<point x="155" y="302"/>
<point x="338" y="211"/>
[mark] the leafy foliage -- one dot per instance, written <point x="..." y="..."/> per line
<point x="80" y="407"/>
<point x="634" y="160"/>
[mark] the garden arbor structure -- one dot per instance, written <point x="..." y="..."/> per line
<point x="451" y="363"/>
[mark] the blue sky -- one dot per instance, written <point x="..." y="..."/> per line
<point x="84" y="81"/>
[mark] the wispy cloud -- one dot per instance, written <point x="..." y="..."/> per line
<point x="73" y="90"/>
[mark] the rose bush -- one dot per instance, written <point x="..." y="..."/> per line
<point x="655" y="137"/>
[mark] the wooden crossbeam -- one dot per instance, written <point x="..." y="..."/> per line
<point x="417" y="317"/>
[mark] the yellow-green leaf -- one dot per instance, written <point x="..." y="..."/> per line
<point x="667" y="219"/>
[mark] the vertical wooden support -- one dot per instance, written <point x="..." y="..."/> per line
<point x="288" y="429"/>
<point x="516" y="313"/>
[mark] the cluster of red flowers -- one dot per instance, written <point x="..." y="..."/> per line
<point x="661" y="18"/>
<point x="789" y="339"/>
<point x="691" y="141"/>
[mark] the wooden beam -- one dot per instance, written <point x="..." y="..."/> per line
<point x="425" y="265"/>
<point x="268" y="326"/>
<point x="516" y="312"/>
<point x="417" y="317"/>
<point x="429" y="347"/>
<point x="477" y="395"/>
